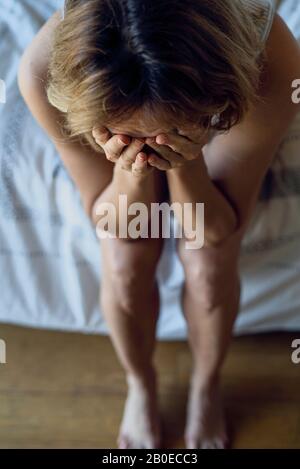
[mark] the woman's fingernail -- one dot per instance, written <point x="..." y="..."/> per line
<point x="162" y="139"/>
<point x="123" y="140"/>
<point x="142" y="157"/>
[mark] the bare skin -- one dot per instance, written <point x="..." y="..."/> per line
<point x="142" y="393"/>
<point x="131" y="316"/>
<point x="210" y="318"/>
<point x="236" y="164"/>
<point x="129" y="265"/>
<point x="93" y="174"/>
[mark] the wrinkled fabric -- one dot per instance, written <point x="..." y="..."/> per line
<point x="49" y="254"/>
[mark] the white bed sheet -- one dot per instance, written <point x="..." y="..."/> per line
<point x="49" y="256"/>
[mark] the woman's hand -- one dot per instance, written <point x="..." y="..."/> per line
<point x="176" y="149"/>
<point x="124" y="151"/>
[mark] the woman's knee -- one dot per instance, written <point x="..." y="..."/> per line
<point x="129" y="269"/>
<point x="210" y="279"/>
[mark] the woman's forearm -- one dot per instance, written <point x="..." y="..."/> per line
<point x="143" y="190"/>
<point x="191" y="184"/>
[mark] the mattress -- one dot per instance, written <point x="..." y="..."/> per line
<point x="49" y="253"/>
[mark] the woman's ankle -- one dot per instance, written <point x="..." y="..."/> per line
<point x="205" y="381"/>
<point x="145" y="377"/>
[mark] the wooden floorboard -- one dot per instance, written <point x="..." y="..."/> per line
<point x="63" y="390"/>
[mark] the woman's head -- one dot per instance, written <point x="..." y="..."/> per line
<point x="175" y="62"/>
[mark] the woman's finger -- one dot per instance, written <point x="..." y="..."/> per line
<point x="194" y="134"/>
<point x="129" y="154"/>
<point x="140" y="166"/>
<point x="101" y="135"/>
<point x="179" y="144"/>
<point x="158" y="162"/>
<point x="115" y="146"/>
<point x="167" y="153"/>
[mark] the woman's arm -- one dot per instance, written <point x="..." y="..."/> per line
<point x="190" y="184"/>
<point x="145" y="188"/>
<point x="97" y="179"/>
<point x="90" y="171"/>
<point x="237" y="162"/>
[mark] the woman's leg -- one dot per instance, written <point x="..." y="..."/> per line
<point x="210" y="297"/>
<point x="129" y="298"/>
<point x="130" y="305"/>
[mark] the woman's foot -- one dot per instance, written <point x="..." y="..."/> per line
<point x="141" y="425"/>
<point x="205" y="425"/>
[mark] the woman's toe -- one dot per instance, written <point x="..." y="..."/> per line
<point x="191" y="443"/>
<point x="215" y="443"/>
<point x="123" y="442"/>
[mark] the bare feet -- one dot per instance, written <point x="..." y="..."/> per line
<point x="141" y="425"/>
<point x="205" y="425"/>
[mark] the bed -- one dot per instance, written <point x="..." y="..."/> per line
<point x="49" y="256"/>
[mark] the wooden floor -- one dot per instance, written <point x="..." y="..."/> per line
<point x="61" y="390"/>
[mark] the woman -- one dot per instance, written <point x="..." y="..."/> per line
<point x="206" y="85"/>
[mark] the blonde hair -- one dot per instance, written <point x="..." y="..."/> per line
<point x="189" y="61"/>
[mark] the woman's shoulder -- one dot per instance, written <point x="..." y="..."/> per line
<point x="36" y="57"/>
